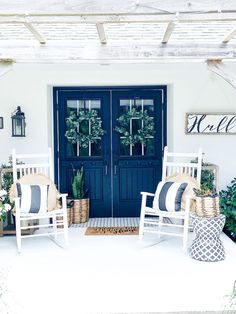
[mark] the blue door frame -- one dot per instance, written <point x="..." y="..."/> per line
<point x="114" y="180"/>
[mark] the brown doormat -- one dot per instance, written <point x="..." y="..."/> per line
<point x="111" y="231"/>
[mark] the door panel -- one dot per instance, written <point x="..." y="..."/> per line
<point x="95" y="157"/>
<point x="137" y="166"/>
<point x="116" y="171"/>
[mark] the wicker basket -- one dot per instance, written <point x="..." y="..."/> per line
<point x="81" y="211"/>
<point x="207" y="206"/>
<point x="69" y="217"/>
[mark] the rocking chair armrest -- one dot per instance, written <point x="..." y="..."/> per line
<point x="144" y="198"/>
<point x="63" y="195"/>
<point x="147" y="194"/>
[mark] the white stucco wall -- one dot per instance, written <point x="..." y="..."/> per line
<point x="190" y="88"/>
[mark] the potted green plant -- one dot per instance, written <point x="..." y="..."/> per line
<point x="80" y="199"/>
<point x="207" y="202"/>
<point x="4" y="208"/>
<point x="207" y="176"/>
<point x="228" y="208"/>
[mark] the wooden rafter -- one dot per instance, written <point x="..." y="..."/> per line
<point x="35" y="32"/>
<point x="169" y="30"/>
<point x="101" y="33"/>
<point x="229" y="36"/>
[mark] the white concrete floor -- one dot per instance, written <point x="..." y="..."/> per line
<point x="111" y="274"/>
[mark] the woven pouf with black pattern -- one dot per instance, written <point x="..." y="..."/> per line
<point x="207" y="245"/>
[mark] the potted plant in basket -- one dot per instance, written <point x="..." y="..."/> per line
<point x="207" y="202"/>
<point x="81" y="202"/>
<point x="4" y="208"/>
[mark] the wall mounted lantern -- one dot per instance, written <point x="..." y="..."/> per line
<point x="18" y="123"/>
<point x="1" y="122"/>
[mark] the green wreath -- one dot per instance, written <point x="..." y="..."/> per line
<point x="74" y="124"/>
<point x="143" y="134"/>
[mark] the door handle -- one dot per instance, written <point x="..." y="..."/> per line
<point x="115" y="170"/>
<point x="106" y="169"/>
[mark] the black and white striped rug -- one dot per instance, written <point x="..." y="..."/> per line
<point x="109" y="222"/>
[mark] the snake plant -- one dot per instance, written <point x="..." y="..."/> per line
<point x="78" y="191"/>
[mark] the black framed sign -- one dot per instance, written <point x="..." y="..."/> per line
<point x="210" y="123"/>
<point x="1" y="122"/>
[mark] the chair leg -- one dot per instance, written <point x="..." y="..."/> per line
<point x="185" y="235"/>
<point x="142" y="217"/>
<point x="18" y="234"/>
<point x="54" y="221"/>
<point x="160" y="226"/>
<point x="65" y="223"/>
<point x="185" y="240"/>
<point x="186" y="225"/>
<point x="141" y="224"/>
<point x="141" y="227"/>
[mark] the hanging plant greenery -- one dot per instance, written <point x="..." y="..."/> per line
<point x="145" y="132"/>
<point x="84" y="128"/>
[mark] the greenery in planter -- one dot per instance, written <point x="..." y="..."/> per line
<point x="207" y="178"/>
<point x="228" y="208"/>
<point x="81" y="201"/>
<point x="78" y="189"/>
<point x="4" y="206"/>
<point x="205" y="192"/>
<point x="7" y="180"/>
<point x="207" y="199"/>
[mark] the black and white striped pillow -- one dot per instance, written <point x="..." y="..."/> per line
<point x="33" y="198"/>
<point x="168" y="196"/>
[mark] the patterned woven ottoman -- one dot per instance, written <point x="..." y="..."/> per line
<point x="207" y="245"/>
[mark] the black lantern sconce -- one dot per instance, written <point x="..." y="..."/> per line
<point x="18" y="123"/>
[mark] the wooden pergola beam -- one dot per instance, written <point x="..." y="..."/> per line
<point x="229" y="36"/>
<point x="82" y="52"/>
<point x="101" y="33"/>
<point x="94" y="18"/>
<point x="35" y="32"/>
<point x="169" y="30"/>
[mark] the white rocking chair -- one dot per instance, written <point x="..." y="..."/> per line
<point x="152" y="219"/>
<point x="36" y="166"/>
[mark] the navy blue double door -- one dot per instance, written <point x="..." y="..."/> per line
<point x="122" y="162"/>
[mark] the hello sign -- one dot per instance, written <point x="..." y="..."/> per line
<point x="210" y="123"/>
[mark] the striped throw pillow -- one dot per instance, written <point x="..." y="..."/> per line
<point x="33" y="198"/>
<point x="168" y="196"/>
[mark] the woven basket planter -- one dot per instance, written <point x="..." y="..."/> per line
<point x="69" y="217"/>
<point x="81" y="211"/>
<point x="207" y="206"/>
